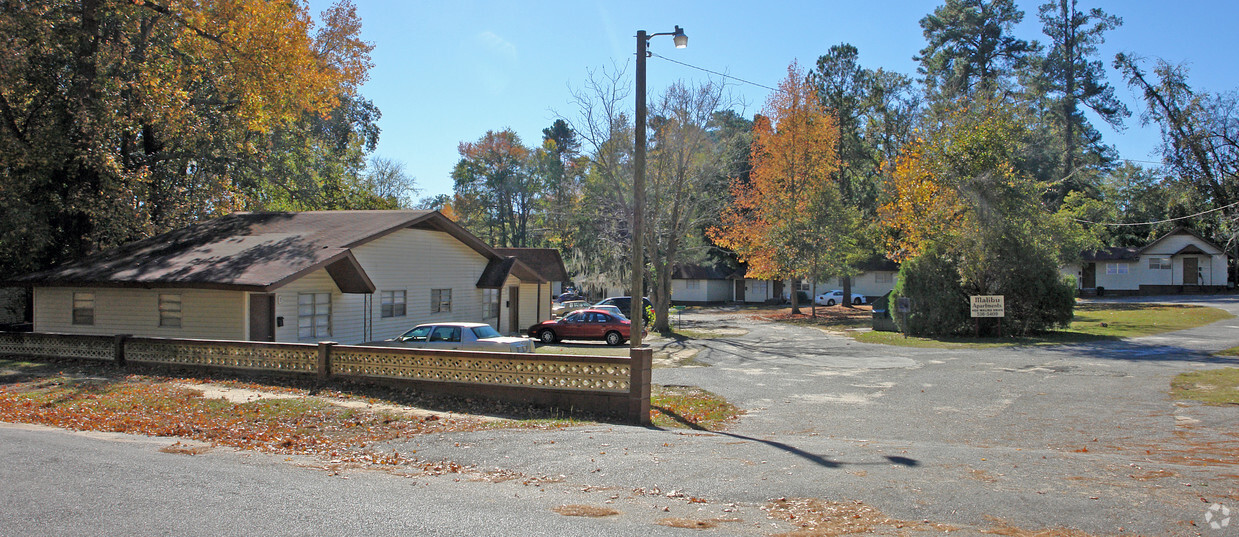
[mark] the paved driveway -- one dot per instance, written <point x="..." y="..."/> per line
<point x="1081" y="436"/>
<point x="1078" y="436"/>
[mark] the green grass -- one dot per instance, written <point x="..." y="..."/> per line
<point x="1212" y="387"/>
<point x="1120" y="320"/>
<point x="690" y="407"/>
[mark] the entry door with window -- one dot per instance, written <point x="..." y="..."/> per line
<point x="262" y="318"/>
<point x="1191" y="271"/>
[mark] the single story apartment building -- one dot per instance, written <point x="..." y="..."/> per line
<point x="1180" y="261"/>
<point x="345" y="276"/>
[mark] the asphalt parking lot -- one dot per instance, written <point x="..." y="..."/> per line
<point x="1080" y="436"/>
<point x="1011" y="441"/>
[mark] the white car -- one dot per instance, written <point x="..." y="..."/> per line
<point x="831" y="298"/>
<point x="459" y="336"/>
<point x="568" y="306"/>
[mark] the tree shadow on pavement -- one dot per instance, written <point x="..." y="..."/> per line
<point x="793" y="450"/>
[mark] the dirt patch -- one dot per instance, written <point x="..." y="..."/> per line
<point x="1002" y="527"/>
<point x="687" y="523"/>
<point x="815" y="517"/>
<point x="186" y="449"/>
<point x="585" y="511"/>
<point x="831" y="318"/>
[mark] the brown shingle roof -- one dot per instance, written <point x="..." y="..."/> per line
<point x="1113" y="253"/>
<point x="252" y="251"/>
<point x="696" y="272"/>
<point x="546" y="261"/>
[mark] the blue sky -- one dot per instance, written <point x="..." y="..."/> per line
<point x="446" y="72"/>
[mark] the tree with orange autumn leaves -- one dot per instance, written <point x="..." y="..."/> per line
<point x="789" y="218"/>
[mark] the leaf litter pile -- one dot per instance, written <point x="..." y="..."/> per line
<point x="298" y="424"/>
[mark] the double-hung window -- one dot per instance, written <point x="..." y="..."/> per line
<point x="883" y="277"/>
<point x="1116" y="268"/>
<point x="440" y="300"/>
<point x="393" y="303"/>
<point x="1159" y="263"/>
<point x="84" y="308"/>
<point x="313" y="315"/>
<point x="169" y="310"/>
<point x="490" y="297"/>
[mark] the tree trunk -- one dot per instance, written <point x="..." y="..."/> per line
<point x="662" y="298"/>
<point x="793" y="292"/>
<point x="847" y="291"/>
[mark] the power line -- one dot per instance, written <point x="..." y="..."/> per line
<point x="1159" y="221"/>
<point x="738" y="79"/>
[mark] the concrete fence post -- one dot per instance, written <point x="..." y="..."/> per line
<point x="118" y="349"/>
<point x="324" y="360"/>
<point x="639" y="386"/>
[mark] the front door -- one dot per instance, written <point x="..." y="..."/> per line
<point x="262" y="318"/>
<point x="1191" y="269"/>
<point x="1088" y="279"/>
<point x="739" y="290"/>
<point x="514" y="309"/>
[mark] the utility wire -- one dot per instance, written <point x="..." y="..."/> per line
<point x="738" y="79"/>
<point x="656" y="55"/>
<point x="1159" y="221"/>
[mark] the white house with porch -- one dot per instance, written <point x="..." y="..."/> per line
<point x="1179" y="262"/>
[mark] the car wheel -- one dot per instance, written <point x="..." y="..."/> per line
<point x="614" y="338"/>
<point x="830" y="302"/>
<point x="547" y="336"/>
<point x="858" y="301"/>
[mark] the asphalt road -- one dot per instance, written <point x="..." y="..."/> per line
<point x="1076" y="436"/>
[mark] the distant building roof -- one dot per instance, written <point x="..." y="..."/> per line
<point x="254" y="252"/>
<point x="1113" y="253"/>
<point x="689" y="271"/>
<point x="546" y="261"/>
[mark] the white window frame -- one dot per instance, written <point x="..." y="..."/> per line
<point x="490" y="297"/>
<point x="82" y="312"/>
<point x="1160" y="263"/>
<point x="692" y="284"/>
<point x="313" y="315"/>
<point x="883" y="277"/>
<point x="440" y="301"/>
<point x="1116" y="268"/>
<point x="393" y="303"/>
<point x="171" y="312"/>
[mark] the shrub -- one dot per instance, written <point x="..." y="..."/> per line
<point x="939" y="304"/>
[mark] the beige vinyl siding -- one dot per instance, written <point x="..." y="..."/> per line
<point x="416" y="261"/>
<point x="704" y="291"/>
<point x="530" y="305"/>
<point x="205" y="313"/>
<point x="316" y="282"/>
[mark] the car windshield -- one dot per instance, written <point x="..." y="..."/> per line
<point x="574" y="317"/>
<point x="483" y="332"/>
<point x="416" y="334"/>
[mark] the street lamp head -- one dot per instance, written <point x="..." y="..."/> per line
<point x="681" y="39"/>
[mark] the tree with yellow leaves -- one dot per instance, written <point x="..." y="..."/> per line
<point x="124" y="118"/>
<point x="964" y="214"/>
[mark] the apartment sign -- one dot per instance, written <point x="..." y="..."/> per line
<point x="988" y="306"/>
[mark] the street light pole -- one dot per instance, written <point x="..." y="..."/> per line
<point x="637" y="292"/>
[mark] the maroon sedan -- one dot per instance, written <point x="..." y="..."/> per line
<point x="584" y="324"/>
